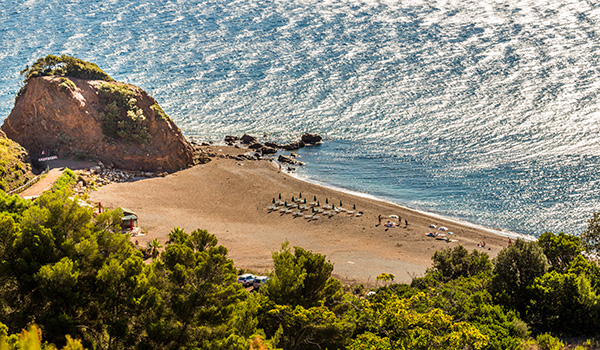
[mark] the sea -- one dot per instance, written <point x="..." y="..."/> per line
<point x="483" y="111"/>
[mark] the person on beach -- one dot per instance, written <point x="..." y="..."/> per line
<point x="379" y="218"/>
<point x="405" y="223"/>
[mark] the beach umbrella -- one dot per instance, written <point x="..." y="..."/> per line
<point x="314" y="198"/>
<point x="273" y="200"/>
<point x="340" y="202"/>
<point x="354" y="207"/>
<point x="300" y="195"/>
<point x="304" y="200"/>
<point x="313" y="209"/>
<point x="292" y="198"/>
<point x="280" y="196"/>
<point x="285" y="203"/>
<point x="326" y="200"/>
<point x="332" y="206"/>
<point x="318" y="204"/>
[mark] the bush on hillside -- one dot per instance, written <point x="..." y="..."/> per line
<point x="122" y="119"/>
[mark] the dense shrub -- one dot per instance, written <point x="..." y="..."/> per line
<point x="65" y="65"/>
<point x="64" y="181"/>
<point x="121" y="118"/>
<point x="66" y="84"/>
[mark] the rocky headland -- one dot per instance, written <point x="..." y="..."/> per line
<point x="102" y="120"/>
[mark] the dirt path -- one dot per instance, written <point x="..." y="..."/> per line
<point x="56" y="169"/>
<point x="42" y="185"/>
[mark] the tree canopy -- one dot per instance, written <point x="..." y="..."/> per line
<point x="85" y="285"/>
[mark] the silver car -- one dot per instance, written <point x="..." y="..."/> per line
<point x="259" y="281"/>
<point x="246" y="279"/>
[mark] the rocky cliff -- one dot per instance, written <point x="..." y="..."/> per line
<point x="71" y="117"/>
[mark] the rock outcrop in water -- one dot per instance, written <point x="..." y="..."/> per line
<point x="71" y="117"/>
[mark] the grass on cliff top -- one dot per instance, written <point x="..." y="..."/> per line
<point x="67" y="66"/>
<point x="14" y="171"/>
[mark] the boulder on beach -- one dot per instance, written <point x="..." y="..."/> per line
<point x="272" y="145"/>
<point x="311" y="138"/>
<point x="256" y="145"/>
<point x="247" y="139"/>
<point x="293" y="146"/>
<point x="268" y="150"/>
<point x="289" y="160"/>
<point x="231" y="139"/>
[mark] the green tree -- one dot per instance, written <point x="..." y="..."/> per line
<point x="395" y="323"/>
<point x="154" y="246"/>
<point x="302" y="278"/>
<point x="515" y="269"/>
<point x="457" y="262"/>
<point x="201" y="292"/>
<point x="591" y="236"/>
<point x="560" y="249"/>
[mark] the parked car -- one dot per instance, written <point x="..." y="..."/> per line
<point x="259" y="281"/>
<point x="246" y="279"/>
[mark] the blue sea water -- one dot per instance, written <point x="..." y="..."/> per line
<point x="482" y="110"/>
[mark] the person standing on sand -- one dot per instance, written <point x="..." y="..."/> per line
<point x="405" y="222"/>
<point x="379" y="218"/>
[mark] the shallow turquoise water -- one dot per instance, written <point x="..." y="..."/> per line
<point x="482" y="110"/>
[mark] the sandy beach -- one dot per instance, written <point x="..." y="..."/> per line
<point x="230" y="199"/>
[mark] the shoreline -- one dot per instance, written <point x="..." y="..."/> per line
<point x="229" y="198"/>
<point x="441" y="216"/>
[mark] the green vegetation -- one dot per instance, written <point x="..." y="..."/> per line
<point x="31" y="340"/>
<point x="66" y="84"/>
<point x="76" y="275"/>
<point x="65" y="66"/>
<point x="122" y="119"/>
<point x="14" y="170"/>
<point x="159" y="111"/>
<point x="65" y="181"/>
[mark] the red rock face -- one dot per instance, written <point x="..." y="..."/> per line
<point x="68" y="122"/>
